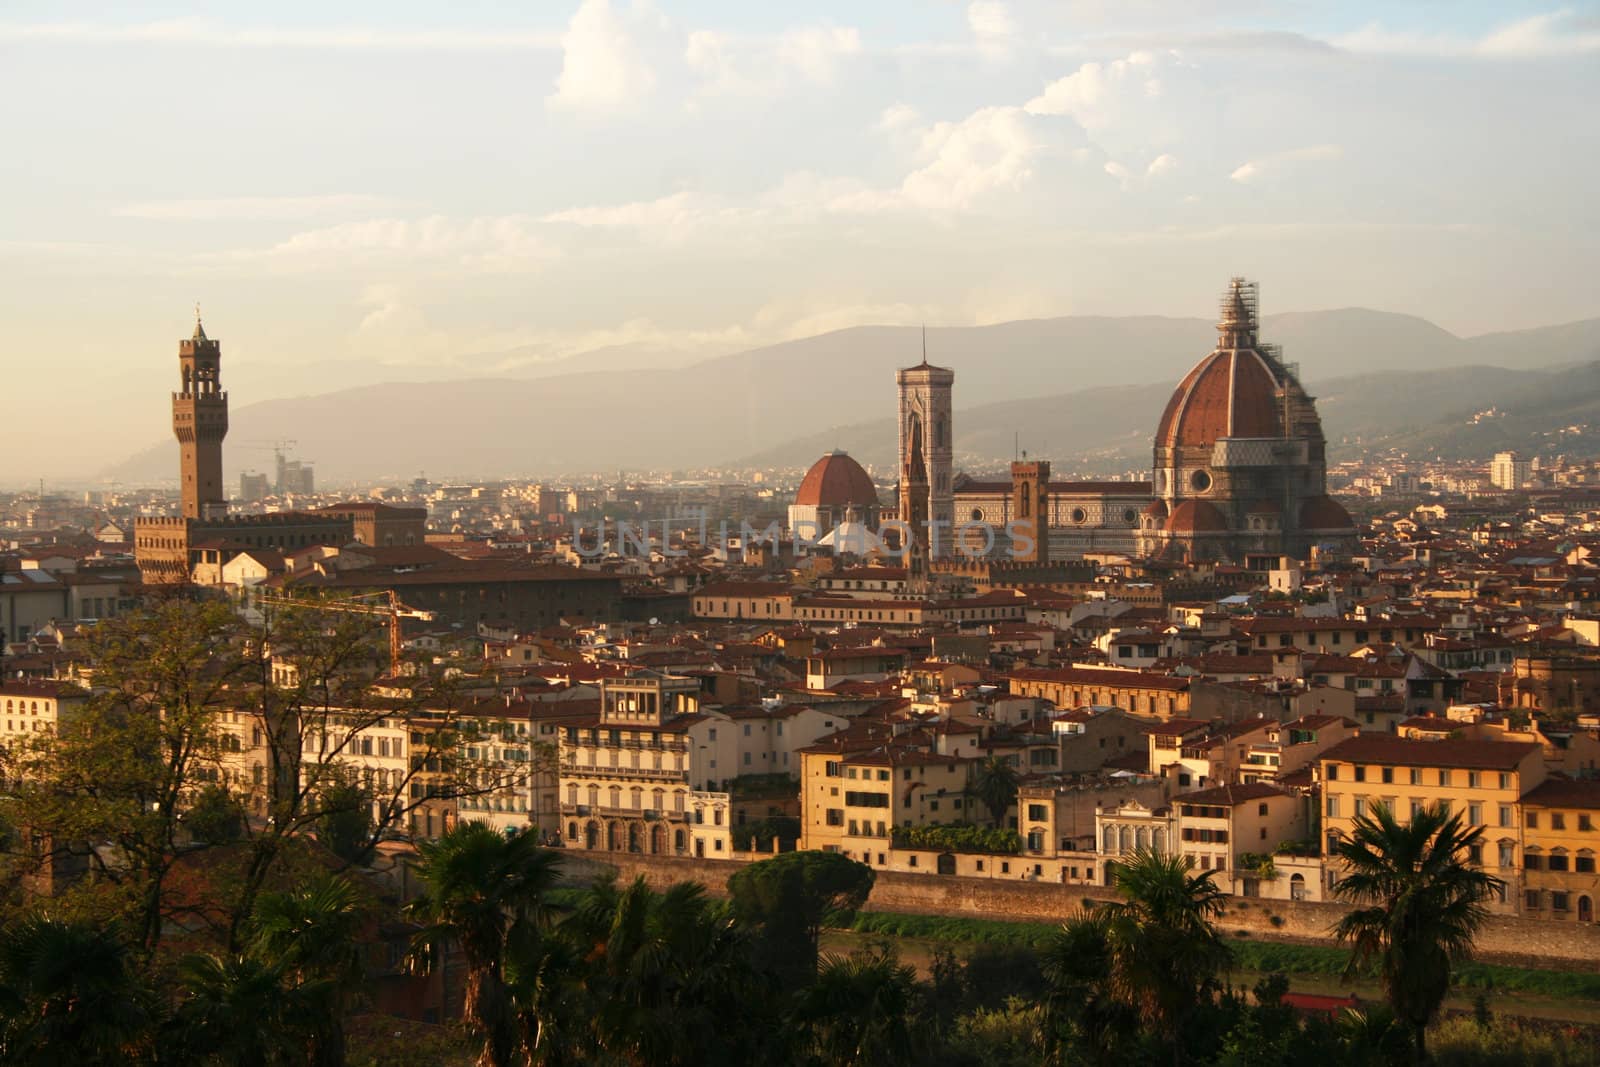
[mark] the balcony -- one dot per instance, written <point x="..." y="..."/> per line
<point x="648" y="746"/>
<point x="572" y="768"/>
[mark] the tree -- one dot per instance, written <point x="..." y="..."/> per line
<point x="110" y="785"/>
<point x="787" y="899"/>
<point x="69" y="994"/>
<point x="1082" y="1015"/>
<point x="858" y="1011"/>
<point x="312" y="933"/>
<point x="215" y="817"/>
<point x="345" y="822"/>
<point x="237" y="1010"/>
<point x="1165" y="955"/>
<point x="994" y="782"/>
<point x="672" y="980"/>
<point x="483" y="890"/>
<point x="1419" y="906"/>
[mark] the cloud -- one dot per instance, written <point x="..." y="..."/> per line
<point x="604" y="66"/>
<point x="993" y="29"/>
<point x="990" y="150"/>
<point x="209" y="34"/>
<point x="1096" y="94"/>
<point x="729" y="64"/>
<point x="1556" y="33"/>
<point x="1274" y="164"/>
<point x="1160" y="165"/>
<point x="250" y="207"/>
<point x="898" y="117"/>
<point x="491" y="244"/>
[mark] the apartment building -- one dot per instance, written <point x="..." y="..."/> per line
<point x="858" y="785"/>
<point x="1560" y="831"/>
<point x="1483" y="780"/>
<point x="1218" y="828"/>
<point x="36" y="706"/>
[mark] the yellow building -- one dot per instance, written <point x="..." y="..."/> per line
<point x="1482" y="780"/>
<point x="1156" y="695"/>
<point x="1560" y="830"/>
<point x="860" y="784"/>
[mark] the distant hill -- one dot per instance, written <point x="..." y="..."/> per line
<point x="1078" y="389"/>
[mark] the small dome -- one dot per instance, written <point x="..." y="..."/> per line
<point x="1265" y="507"/>
<point x="836" y="480"/>
<point x="1325" y="513"/>
<point x="1196" y="516"/>
<point x="1156" y="509"/>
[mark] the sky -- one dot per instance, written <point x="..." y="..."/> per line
<point x="358" y="192"/>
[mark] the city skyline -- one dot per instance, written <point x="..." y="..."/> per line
<point x="382" y="195"/>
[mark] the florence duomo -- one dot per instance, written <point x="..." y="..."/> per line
<point x="979" y="534"/>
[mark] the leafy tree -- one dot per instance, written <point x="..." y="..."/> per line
<point x="312" y="933"/>
<point x="994" y="782"/>
<point x="787" y="899"/>
<point x="1165" y="955"/>
<point x="69" y="993"/>
<point x="109" y="787"/>
<point x="1419" y="903"/>
<point x="858" y="1011"/>
<point x="215" y="817"/>
<point x="344" y="823"/>
<point x="483" y="890"/>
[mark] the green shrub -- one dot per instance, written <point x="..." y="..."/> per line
<point x="959" y="837"/>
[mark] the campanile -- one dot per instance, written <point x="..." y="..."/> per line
<point x="200" y="422"/>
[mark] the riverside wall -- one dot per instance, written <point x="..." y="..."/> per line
<point x="1504" y="939"/>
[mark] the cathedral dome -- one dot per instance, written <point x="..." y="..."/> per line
<point x="1321" y="513"/>
<point x="1233" y="392"/>
<point x="1229" y="394"/>
<point x="1196" y="516"/>
<point x="836" y="480"/>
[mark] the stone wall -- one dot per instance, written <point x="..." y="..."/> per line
<point x="1505" y="939"/>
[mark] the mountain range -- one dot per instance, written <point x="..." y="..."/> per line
<point x="1083" y="391"/>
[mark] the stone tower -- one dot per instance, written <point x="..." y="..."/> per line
<point x="925" y="435"/>
<point x="200" y="422"/>
<point x="1030" y="507"/>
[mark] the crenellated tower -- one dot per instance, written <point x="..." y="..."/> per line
<point x="200" y="422"/>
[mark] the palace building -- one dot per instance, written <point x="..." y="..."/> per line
<point x="167" y="548"/>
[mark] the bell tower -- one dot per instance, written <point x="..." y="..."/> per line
<point x="200" y="422"/>
<point x="925" y="454"/>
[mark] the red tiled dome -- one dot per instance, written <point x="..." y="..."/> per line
<point x="1230" y="393"/>
<point x="1196" y="516"/>
<point x="1156" y="509"/>
<point x="1324" y="513"/>
<point x="836" y="480"/>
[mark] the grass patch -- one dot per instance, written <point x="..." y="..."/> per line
<point x="1262" y="956"/>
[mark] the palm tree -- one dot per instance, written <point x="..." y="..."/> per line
<point x="858" y="1011"/>
<point x="68" y="994"/>
<point x="239" y="1010"/>
<point x="1165" y="954"/>
<point x="1420" y="905"/>
<point x="1082" y="1015"/>
<point x="313" y="933"/>
<point x="483" y="889"/>
<point x="994" y="782"/>
<point x="672" y="976"/>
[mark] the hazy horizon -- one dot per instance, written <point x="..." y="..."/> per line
<point x="392" y="192"/>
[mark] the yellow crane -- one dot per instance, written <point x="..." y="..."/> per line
<point x="385" y="603"/>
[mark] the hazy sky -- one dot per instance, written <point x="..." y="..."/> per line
<point x="407" y="189"/>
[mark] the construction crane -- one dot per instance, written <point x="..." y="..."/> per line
<point x="384" y="603"/>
